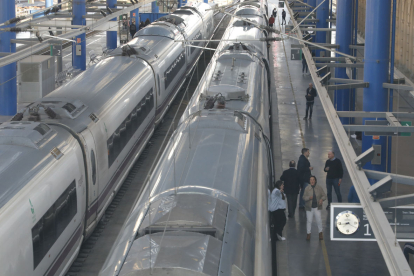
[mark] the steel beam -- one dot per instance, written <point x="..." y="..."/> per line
<point x="378" y="128"/>
<point x="347" y="65"/>
<point x="319" y="29"/>
<point x="398" y="87"/>
<point x="396" y="178"/>
<point x="338" y="80"/>
<point x="327" y="45"/>
<point x="397" y="201"/>
<point x="341" y="87"/>
<point x="329" y="59"/>
<point x="391" y="251"/>
<point x="357" y="47"/>
<point x="392" y="120"/>
<point x="373" y="114"/>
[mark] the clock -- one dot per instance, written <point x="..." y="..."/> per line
<point x="347" y="222"/>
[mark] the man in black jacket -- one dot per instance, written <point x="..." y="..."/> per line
<point x="333" y="168"/>
<point x="292" y="182"/>
<point x="304" y="170"/>
<point x="283" y="16"/>
<point x="310" y="100"/>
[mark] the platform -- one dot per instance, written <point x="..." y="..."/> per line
<point x="291" y="133"/>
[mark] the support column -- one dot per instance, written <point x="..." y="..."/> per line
<point x="206" y="1"/>
<point x="8" y="87"/>
<point x="377" y="41"/>
<point x="134" y="15"/>
<point x="48" y="3"/>
<point x="59" y="65"/>
<point x="79" y="10"/>
<point x="344" y="39"/>
<point x="179" y="3"/>
<point x="154" y="7"/>
<point x="322" y="13"/>
<point x="111" y="36"/>
<point x="312" y="3"/>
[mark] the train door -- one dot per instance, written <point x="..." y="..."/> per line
<point x="92" y="176"/>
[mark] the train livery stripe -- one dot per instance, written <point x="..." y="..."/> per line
<point x="120" y="171"/>
<point x="58" y="262"/>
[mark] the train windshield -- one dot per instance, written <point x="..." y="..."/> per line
<point x="155" y="31"/>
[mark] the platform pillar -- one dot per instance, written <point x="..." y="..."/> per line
<point x="111" y="36"/>
<point x="79" y="58"/>
<point x="322" y="13"/>
<point x="154" y="7"/>
<point x="206" y="1"/>
<point x="134" y="16"/>
<point x="312" y="3"/>
<point x="48" y="3"/>
<point x="376" y="59"/>
<point x="8" y="82"/>
<point x="344" y="39"/>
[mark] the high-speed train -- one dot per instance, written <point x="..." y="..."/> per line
<point x="63" y="158"/>
<point x="204" y="209"/>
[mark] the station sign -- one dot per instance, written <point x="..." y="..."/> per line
<point x="56" y="48"/>
<point x="350" y="223"/>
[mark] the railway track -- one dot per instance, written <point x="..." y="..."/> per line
<point x="95" y="249"/>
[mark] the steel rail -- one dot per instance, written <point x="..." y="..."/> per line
<point x="390" y="249"/>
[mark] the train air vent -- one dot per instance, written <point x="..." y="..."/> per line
<point x="27" y="134"/>
<point x="143" y="49"/>
<point x="193" y="213"/>
<point x="69" y="107"/>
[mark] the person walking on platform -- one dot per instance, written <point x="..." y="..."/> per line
<point x="304" y="170"/>
<point x="314" y="197"/>
<point x="277" y="206"/>
<point x="333" y="168"/>
<point x="292" y="182"/>
<point x="147" y="22"/>
<point x="274" y="12"/>
<point x="133" y="29"/>
<point x="141" y="25"/>
<point x="271" y="21"/>
<point x="310" y="100"/>
<point x="283" y="16"/>
<point x="304" y="64"/>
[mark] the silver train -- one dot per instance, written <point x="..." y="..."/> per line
<point x="204" y="210"/>
<point x="64" y="157"/>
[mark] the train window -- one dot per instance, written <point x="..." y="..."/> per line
<point x="125" y="131"/>
<point x="93" y="164"/>
<point x="52" y="224"/>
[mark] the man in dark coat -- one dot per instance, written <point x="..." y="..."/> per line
<point x="141" y="25"/>
<point x="147" y="22"/>
<point x="292" y="182"/>
<point x="310" y="100"/>
<point x="283" y="16"/>
<point x="274" y="12"/>
<point x="133" y="29"/>
<point x="304" y="170"/>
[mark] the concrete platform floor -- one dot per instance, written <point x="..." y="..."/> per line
<point x="296" y="256"/>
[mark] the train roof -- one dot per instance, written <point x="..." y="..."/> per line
<point x="25" y="149"/>
<point x="91" y="92"/>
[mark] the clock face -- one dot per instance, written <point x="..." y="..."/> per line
<point x="347" y="222"/>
